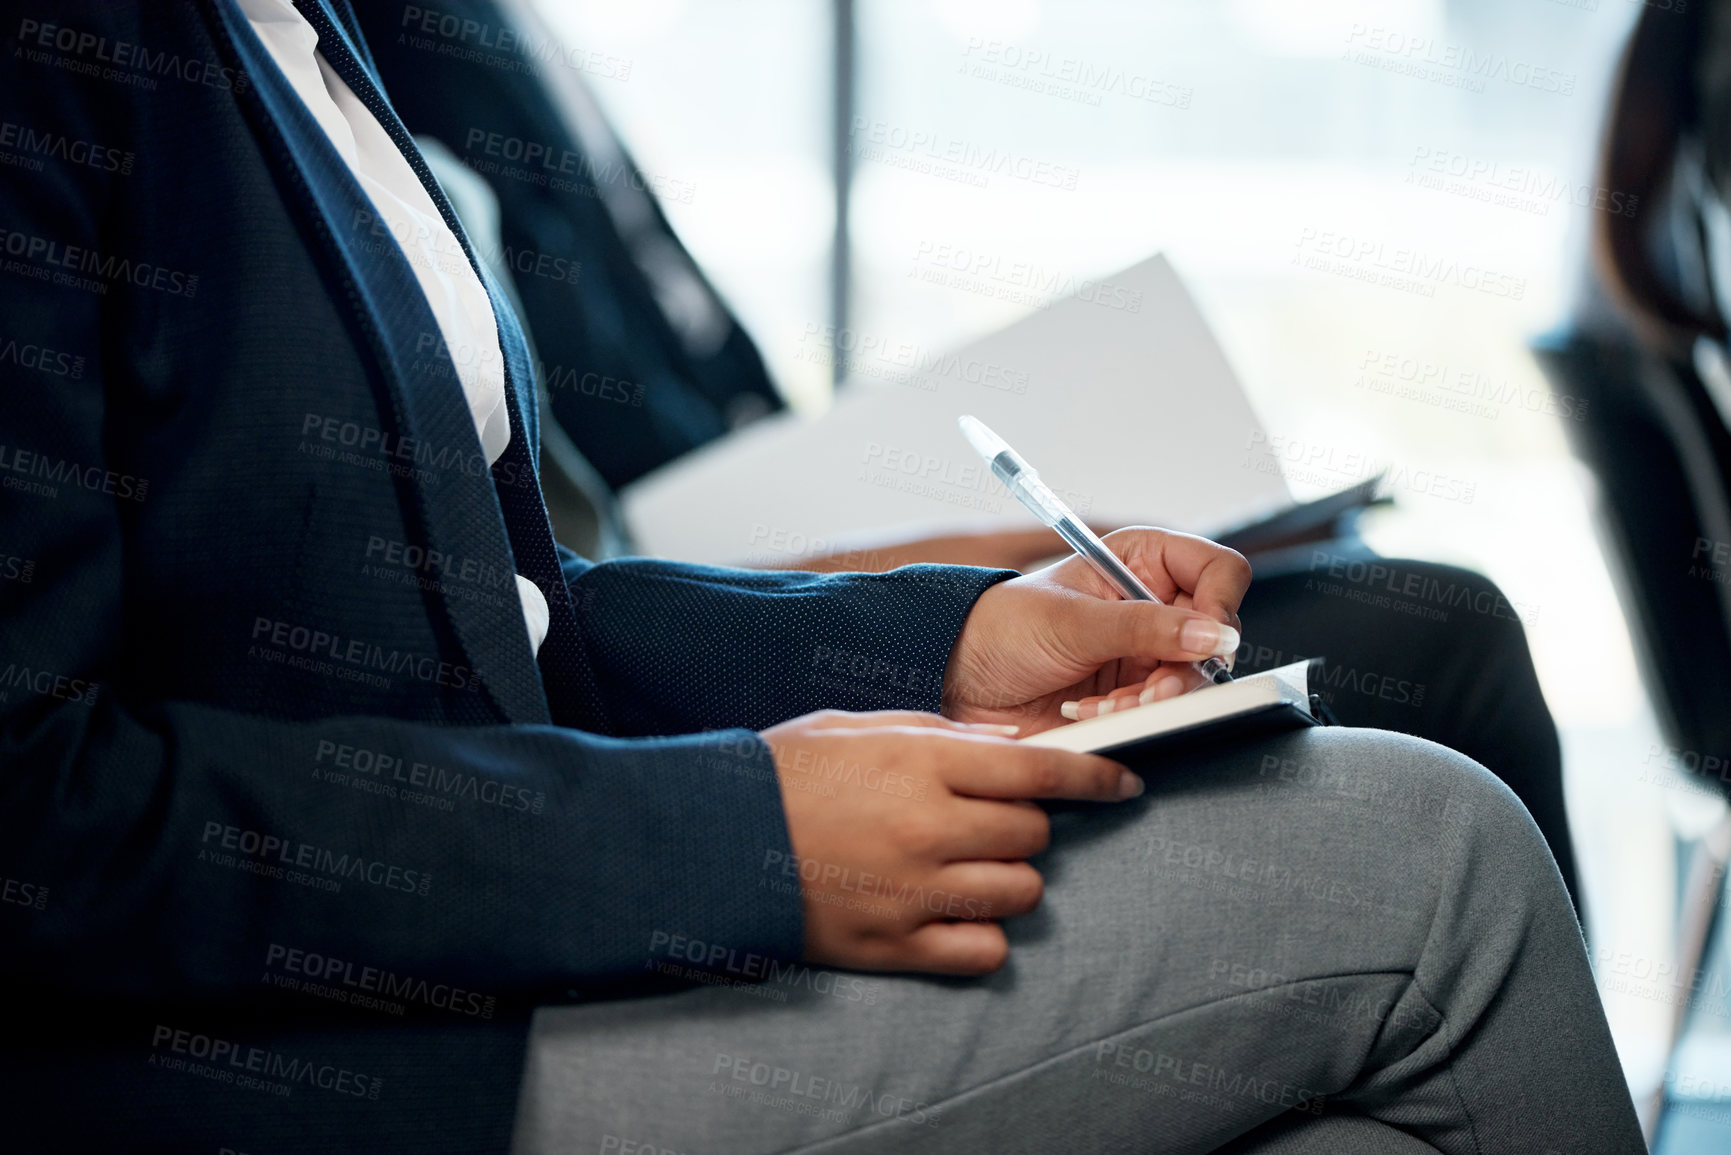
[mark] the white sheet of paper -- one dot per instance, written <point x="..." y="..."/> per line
<point x="1129" y="416"/>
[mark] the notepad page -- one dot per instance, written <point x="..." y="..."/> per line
<point x="1286" y="686"/>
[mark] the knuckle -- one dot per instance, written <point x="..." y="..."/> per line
<point x="915" y="833"/>
<point x="1154" y="630"/>
<point x="1046" y="777"/>
<point x="873" y="952"/>
<point x="1166" y="632"/>
<point x="938" y="756"/>
<point x="1106" y="776"/>
<point x="1040" y="833"/>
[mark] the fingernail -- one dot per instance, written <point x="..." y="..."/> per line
<point x="1106" y="706"/>
<point x="1129" y="785"/>
<point x="1167" y="687"/>
<point x="1201" y="636"/>
<point x="1071" y="710"/>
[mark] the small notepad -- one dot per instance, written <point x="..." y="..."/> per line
<point x="1274" y="699"/>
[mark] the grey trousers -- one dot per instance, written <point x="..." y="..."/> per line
<point x="1331" y="941"/>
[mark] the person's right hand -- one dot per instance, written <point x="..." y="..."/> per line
<point x="911" y="833"/>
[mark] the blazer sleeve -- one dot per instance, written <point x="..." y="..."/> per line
<point x="154" y="848"/>
<point x="749" y="648"/>
<point x="155" y="844"/>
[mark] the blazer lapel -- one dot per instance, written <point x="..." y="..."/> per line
<point x="567" y="679"/>
<point x="459" y="511"/>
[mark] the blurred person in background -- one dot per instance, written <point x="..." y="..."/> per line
<point x="1646" y="348"/>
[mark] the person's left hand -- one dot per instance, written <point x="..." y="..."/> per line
<point x="1062" y="643"/>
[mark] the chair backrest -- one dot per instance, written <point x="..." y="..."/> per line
<point x="1662" y="459"/>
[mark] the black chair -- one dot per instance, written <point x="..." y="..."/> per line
<point x="1661" y="454"/>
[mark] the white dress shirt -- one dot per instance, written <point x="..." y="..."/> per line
<point x="459" y="301"/>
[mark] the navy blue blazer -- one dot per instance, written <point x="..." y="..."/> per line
<point x="294" y="826"/>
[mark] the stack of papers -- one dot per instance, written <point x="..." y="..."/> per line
<point x="1131" y="416"/>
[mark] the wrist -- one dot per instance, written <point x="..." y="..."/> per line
<point x="961" y="680"/>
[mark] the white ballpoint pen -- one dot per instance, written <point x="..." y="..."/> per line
<point x="1026" y="487"/>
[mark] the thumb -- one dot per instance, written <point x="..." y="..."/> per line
<point x="1101" y="631"/>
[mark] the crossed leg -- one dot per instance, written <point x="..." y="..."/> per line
<point x="1334" y="940"/>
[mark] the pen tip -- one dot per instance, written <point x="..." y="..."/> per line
<point x="986" y="443"/>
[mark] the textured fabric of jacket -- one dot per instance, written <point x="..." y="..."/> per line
<point x="267" y="696"/>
